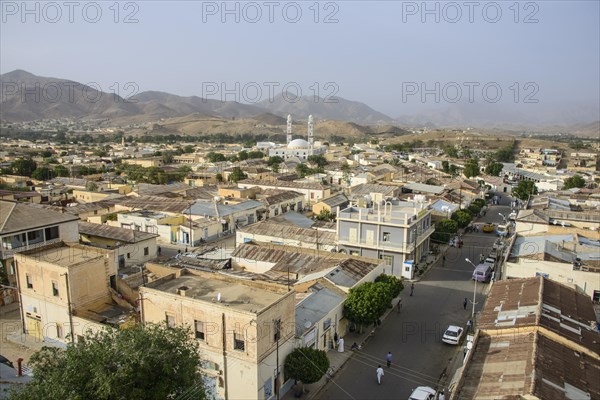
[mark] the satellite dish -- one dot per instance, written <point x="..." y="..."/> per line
<point x="217" y="198"/>
<point x="307" y="324"/>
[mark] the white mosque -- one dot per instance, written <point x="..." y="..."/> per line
<point x="298" y="148"/>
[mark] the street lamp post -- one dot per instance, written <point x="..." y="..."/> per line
<point x="474" y="294"/>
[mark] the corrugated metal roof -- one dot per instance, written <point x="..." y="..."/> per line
<point x="290" y="232"/>
<point x="114" y="233"/>
<point x="18" y="217"/>
<point x="316" y="306"/>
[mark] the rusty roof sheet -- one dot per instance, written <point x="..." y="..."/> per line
<point x="512" y="303"/>
<point x="570" y="314"/>
<point x="562" y="373"/>
<point x="501" y="367"/>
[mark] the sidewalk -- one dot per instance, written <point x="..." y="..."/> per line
<point x="337" y="359"/>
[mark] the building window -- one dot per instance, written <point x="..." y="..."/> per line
<point x="54" y="288"/>
<point x="277" y="330"/>
<point x="52" y="233"/>
<point x="312" y="195"/>
<point x="387" y="260"/>
<point x="170" y="318"/>
<point x="29" y="281"/>
<point x="199" y="325"/>
<point x="59" y="331"/>
<point x="146" y="251"/>
<point x="386" y="236"/>
<point x="128" y="255"/>
<point x="238" y="342"/>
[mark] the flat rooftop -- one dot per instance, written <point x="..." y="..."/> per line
<point x="233" y="294"/>
<point x="64" y="255"/>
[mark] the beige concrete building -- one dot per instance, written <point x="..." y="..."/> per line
<point x="144" y="162"/>
<point x="131" y="246"/>
<point x="64" y="290"/>
<point x="245" y="328"/>
<point x="26" y="226"/>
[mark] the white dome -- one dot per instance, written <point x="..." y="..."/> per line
<point x="298" y="144"/>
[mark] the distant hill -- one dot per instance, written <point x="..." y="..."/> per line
<point x="334" y="108"/>
<point x="28" y="97"/>
<point x="86" y="102"/>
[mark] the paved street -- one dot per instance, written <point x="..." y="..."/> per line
<point x="414" y="336"/>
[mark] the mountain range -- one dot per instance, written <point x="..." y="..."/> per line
<point x="27" y="97"/>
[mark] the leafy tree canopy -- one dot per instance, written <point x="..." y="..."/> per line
<point x="306" y="364"/>
<point x="576" y="181"/>
<point x="524" y="189"/>
<point x="142" y="362"/>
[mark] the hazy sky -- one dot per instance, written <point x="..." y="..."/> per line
<point x="379" y="53"/>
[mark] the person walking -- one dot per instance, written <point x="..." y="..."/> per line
<point x="469" y="325"/>
<point x="379" y="373"/>
<point x="388" y="358"/>
<point x="159" y="250"/>
<point x="412" y="288"/>
<point x="443" y="260"/>
<point x="399" y="307"/>
<point x="465" y="301"/>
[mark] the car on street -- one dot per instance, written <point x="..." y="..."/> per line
<point x="453" y="334"/>
<point x="423" y="393"/>
<point x="488" y="228"/>
<point x="455" y="242"/>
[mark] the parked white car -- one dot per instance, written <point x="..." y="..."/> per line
<point x="453" y="334"/>
<point x="423" y="393"/>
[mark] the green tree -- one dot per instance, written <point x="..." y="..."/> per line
<point x="319" y="160"/>
<point x="219" y="177"/>
<point x="167" y="157"/>
<point x="188" y="149"/>
<point x="255" y="154"/>
<point x="23" y="166"/>
<point x="274" y="160"/>
<point x="302" y="170"/>
<point x="325" y="215"/>
<point x="479" y="202"/>
<point x="142" y="362"/>
<point x="445" y="166"/>
<point x="237" y="175"/>
<point x="91" y="186"/>
<point x="306" y="365"/>
<point x="394" y="285"/>
<point x="505" y="154"/>
<point x="42" y="174"/>
<point x="524" y="189"/>
<point x="46" y="154"/>
<point x="462" y="218"/>
<point x="494" y="169"/>
<point x="61" y="170"/>
<point x="576" y="181"/>
<point x="471" y="168"/>
<point x="451" y="151"/>
<point x="366" y="303"/>
<point x="243" y="155"/>
<point x="215" y="157"/>
<point x="444" y="230"/>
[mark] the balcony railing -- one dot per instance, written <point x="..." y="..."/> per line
<point x="8" y="253"/>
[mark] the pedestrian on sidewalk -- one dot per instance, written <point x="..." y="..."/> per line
<point x="399" y="307"/>
<point x="465" y="301"/>
<point x="388" y="358"/>
<point x="340" y="344"/>
<point x="379" y="373"/>
<point x="442" y="396"/>
<point x="412" y="288"/>
<point x="469" y="325"/>
<point x="443" y="260"/>
<point x="159" y="250"/>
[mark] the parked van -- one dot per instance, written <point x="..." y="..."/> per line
<point x="482" y="273"/>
